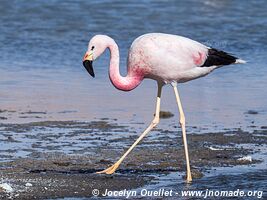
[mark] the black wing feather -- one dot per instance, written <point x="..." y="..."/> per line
<point x="217" y="58"/>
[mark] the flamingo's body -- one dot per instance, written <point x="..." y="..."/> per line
<point x="163" y="57"/>
<point x="168" y="58"/>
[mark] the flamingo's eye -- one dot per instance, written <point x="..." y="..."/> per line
<point x="92" y="47"/>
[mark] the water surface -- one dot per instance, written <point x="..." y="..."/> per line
<point x="42" y="45"/>
<point x="43" y="42"/>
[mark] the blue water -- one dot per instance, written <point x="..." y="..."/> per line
<point x="43" y="42"/>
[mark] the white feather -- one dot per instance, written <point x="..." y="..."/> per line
<point x="240" y="61"/>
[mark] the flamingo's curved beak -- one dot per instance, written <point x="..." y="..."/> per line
<point x="88" y="63"/>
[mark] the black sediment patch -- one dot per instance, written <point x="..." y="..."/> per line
<point x="165" y="114"/>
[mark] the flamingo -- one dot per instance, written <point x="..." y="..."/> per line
<point x="165" y="58"/>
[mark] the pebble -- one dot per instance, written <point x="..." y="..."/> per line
<point x="6" y="187"/>
<point x="28" y="185"/>
<point x="215" y="149"/>
<point x="245" y="158"/>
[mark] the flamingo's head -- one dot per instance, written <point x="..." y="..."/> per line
<point x="96" y="47"/>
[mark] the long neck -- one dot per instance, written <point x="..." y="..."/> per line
<point x="126" y="83"/>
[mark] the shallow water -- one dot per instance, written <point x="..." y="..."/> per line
<point x="43" y="42"/>
<point x="42" y="45"/>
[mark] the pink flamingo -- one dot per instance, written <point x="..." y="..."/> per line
<point x="165" y="58"/>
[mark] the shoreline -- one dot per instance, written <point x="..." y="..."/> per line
<point x="64" y="155"/>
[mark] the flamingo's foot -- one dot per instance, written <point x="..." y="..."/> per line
<point x="189" y="178"/>
<point x="110" y="170"/>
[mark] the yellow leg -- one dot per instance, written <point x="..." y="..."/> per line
<point x="182" y="123"/>
<point x="155" y="121"/>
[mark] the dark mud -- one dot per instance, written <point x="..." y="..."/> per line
<point x="59" y="158"/>
<point x="165" y="114"/>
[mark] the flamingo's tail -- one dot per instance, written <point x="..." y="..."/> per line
<point x="240" y="61"/>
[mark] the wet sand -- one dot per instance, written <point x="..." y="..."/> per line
<point x="55" y="167"/>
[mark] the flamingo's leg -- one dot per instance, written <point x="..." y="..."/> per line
<point x="154" y="122"/>
<point x="182" y="123"/>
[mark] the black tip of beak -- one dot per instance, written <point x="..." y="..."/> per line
<point x="88" y="64"/>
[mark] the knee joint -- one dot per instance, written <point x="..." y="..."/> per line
<point x="155" y="122"/>
<point x="182" y="120"/>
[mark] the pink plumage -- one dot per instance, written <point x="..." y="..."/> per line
<point x="162" y="57"/>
